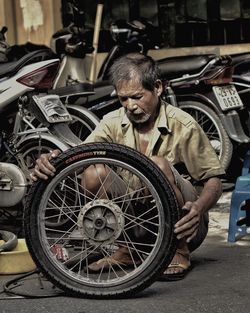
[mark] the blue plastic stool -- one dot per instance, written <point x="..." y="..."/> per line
<point x="240" y="204"/>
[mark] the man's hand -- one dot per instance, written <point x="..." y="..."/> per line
<point x="44" y="168"/>
<point x="187" y="226"/>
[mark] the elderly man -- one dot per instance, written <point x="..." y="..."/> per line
<point x="168" y="136"/>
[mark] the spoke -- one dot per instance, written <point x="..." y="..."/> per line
<point x="88" y="251"/>
<point x="82" y="187"/>
<point x="124" y="243"/>
<point x="69" y="215"/>
<point x="145" y="228"/>
<point x="108" y="255"/>
<point x="73" y="209"/>
<point x="68" y="232"/>
<point x="133" y="246"/>
<point x="102" y="187"/>
<point x="131" y="193"/>
<point x="148" y="221"/>
<point x="133" y="218"/>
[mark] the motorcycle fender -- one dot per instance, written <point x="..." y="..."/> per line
<point x="87" y="113"/>
<point x="232" y="123"/>
<point x="60" y="145"/>
<point x="200" y="98"/>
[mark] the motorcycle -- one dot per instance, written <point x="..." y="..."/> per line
<point x="20" y="148"/>
<point x="33" y="74"/>
<point x="241" y="81"/>
<point x="207" y="93"/>
<point x="72" y="45"/>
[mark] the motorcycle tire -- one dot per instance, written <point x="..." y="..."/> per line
<point x="103" y="224"/>
<point x="213" y="128"/>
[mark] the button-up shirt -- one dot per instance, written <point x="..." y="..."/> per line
<point x="176" y="137"/>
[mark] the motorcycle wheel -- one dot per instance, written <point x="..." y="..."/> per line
<point x="82" y="125"/>
<point x="31" y="150"/>
<point x="213" y="128"/>
<point x="99" y="225"/>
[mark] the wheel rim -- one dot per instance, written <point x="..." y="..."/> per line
<point x="80" y="128"/>
<point x="99" y="226"/>
<point x="31" y="154"/>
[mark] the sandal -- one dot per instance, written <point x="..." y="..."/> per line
<point x="182" y="267"/>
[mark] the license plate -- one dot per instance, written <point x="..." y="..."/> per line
<point x="227" y="97"/>
<point x="52" y="108"/>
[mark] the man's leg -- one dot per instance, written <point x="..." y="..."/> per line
<point x="184" y="192"/>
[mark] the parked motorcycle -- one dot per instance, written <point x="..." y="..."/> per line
<point x="72" y="44"/>
<point x="207" y="94"/>
<point x="31" y="75"/>
<point x="19" y="151"/>
<point x="241" y="81"/>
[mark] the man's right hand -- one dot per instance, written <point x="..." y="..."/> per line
<point x="44" y="168"/>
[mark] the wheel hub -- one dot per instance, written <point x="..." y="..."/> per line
<point x="100" y="221"/>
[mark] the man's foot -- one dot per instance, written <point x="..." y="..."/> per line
<point x="119" y="259"/>
<point x="178" y="268"/>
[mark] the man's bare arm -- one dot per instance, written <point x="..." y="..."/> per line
<point x="187" y="226"/>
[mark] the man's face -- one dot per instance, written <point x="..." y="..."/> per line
<point x="140" y="104"/>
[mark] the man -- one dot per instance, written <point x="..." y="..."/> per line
<point x="168" y="136"/>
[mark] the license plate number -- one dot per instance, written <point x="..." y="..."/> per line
<point x="227" y="97"/>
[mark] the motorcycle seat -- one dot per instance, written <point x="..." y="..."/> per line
<point x="80" y="89"/>
<point x="11" y="68"/>
<point x="240" y="57"/>
<point x="241" y="63"/>
<point x="174" y="67"/>
<point x="102" y="92"/>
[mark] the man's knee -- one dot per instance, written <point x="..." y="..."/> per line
<point x="93" y="177"/>
<point x="167" y="169"/>
<point x="165" y="166"/>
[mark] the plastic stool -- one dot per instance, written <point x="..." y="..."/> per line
<point x="239" y="219"/>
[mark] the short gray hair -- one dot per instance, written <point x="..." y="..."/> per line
<point x="135" y="66"/>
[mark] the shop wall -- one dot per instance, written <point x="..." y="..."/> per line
<point x="30" y="20"/>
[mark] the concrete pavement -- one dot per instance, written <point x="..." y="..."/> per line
<point x="218" y="282"/>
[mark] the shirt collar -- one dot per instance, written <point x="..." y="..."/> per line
<point x="161" y="121"/>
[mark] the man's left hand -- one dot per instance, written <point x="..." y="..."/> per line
<point x="187" y="226"/>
